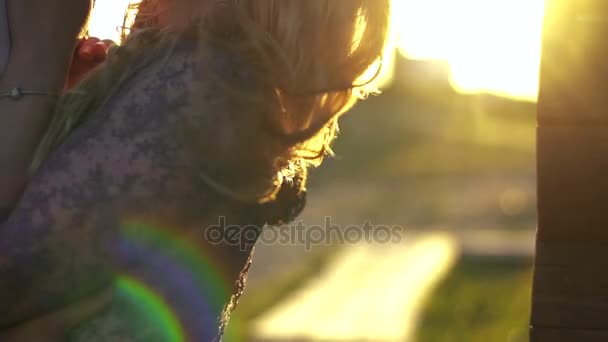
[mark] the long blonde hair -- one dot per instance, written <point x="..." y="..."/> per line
<point x="312" y="53"/>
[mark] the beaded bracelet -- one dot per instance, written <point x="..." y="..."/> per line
<point x="17" y="93"/>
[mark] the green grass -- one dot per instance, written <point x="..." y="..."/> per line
<point x="481" y="300"/>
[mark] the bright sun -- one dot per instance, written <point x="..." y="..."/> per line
<point x="491" y="45"/>
<point x="107" y="17"/>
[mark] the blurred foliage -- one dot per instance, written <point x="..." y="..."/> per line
<point x="436" y="157"/>
<point x="397" y="136"/>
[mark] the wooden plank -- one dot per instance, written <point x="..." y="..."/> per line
<point x="574" y="68"/>
<point x="573" y="183"/>
<point x="564" y="335"/>
<point x="570" y="294"/>
<point x="570" y="289"/>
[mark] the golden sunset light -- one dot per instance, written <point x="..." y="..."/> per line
<point x="491" y="45"/>
<point x="424" y="225"/>
<point x="106" y="19"/>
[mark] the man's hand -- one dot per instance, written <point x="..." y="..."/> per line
<point x="89" y="53"/>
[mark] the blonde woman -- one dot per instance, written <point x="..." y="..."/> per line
<point x="207" y="115"/>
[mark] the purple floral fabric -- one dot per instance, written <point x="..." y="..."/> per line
<point x="90" y="214"/>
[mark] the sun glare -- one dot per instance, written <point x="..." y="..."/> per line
<point x="106" y="19"/>
<point x="491" y="45"/>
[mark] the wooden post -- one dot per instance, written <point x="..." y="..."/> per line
<point x="570" y="294"/>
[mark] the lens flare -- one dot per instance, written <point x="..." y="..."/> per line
<point x="155" y="307"/>
<point x="181" y="290"/>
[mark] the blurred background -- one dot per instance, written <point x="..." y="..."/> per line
<point x="447" y="154"/>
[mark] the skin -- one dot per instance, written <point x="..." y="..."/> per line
<point x="89" y="53"/>
<point x="38" y="28"/>
<point x="49" y="28"/>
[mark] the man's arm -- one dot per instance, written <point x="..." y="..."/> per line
<point x="43" y="35"/>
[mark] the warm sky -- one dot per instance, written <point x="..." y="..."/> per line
<point x="491" y="45"/>
<point x="107" y="17"/>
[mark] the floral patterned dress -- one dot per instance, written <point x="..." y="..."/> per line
<point x="120" y="203"/>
